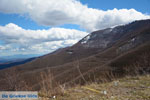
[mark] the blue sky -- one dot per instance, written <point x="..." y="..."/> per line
<point x="139" y="5"/>
<point x="19" y="20"/>
<point x="30" y="27"/>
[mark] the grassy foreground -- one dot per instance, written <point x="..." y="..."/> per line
<point x="128" y="88"/>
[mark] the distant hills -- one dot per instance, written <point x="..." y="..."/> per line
<point x="13" y="60"/>
<point x="117" y="51"/>
<point x="15" y="63"/>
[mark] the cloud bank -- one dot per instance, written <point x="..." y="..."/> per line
<point x="18" y="39"/>
<point x="59" y="12"/>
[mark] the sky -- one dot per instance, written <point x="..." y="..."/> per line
<point x="42" y="26"/>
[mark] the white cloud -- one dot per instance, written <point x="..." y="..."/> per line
<point x="59" y="12"/>
<point x="39" y="41"/>
<point x="6" y="47"/>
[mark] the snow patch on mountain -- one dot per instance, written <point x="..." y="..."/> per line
<point x="85" y="40"/>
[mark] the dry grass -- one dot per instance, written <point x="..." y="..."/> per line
<point x="128" y="88"/>
<point x="49" y="87"/>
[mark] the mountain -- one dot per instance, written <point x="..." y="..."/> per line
<point x="101" y="54"/>
<point x="15" y="63"/>
<point x="14" y="60"/>
<point x="2" y="60"/>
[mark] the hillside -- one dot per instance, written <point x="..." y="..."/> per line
<point x="101" y="55"/>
